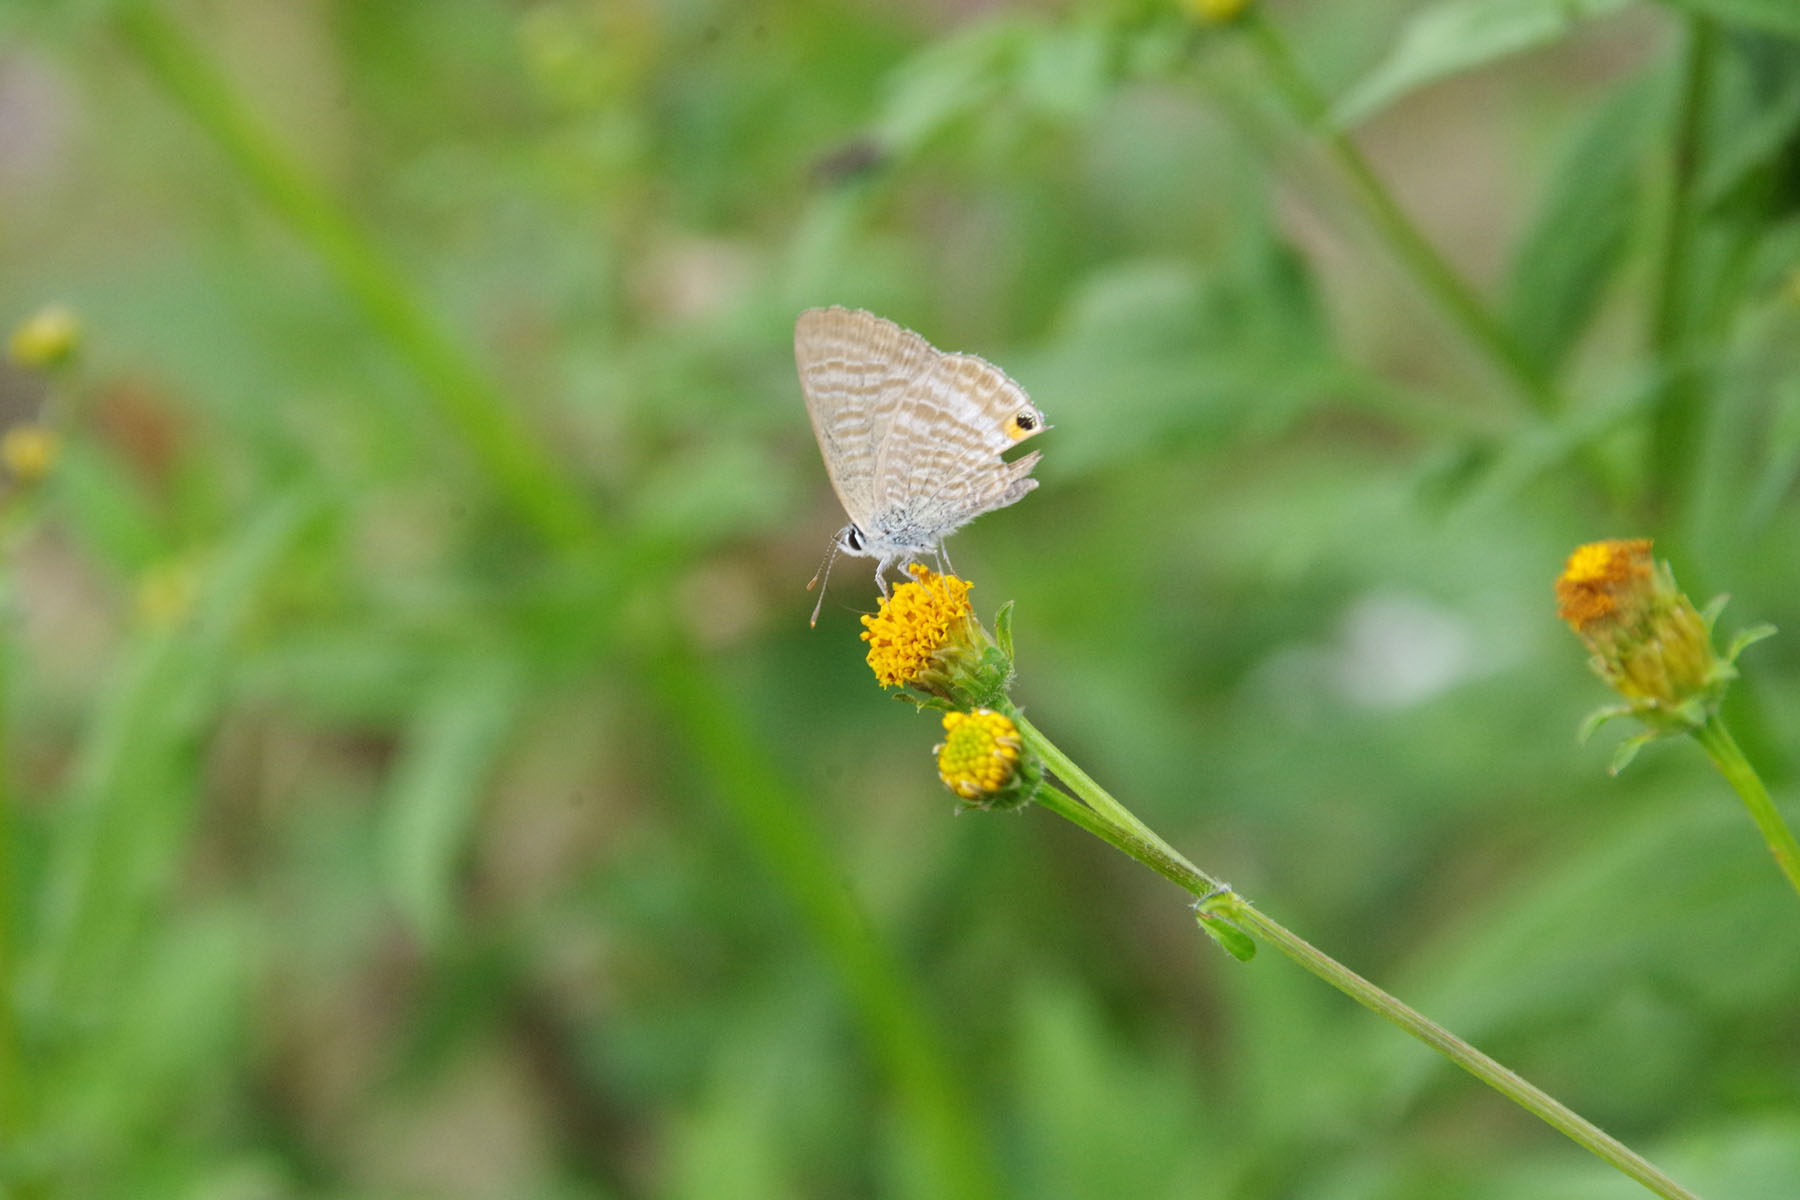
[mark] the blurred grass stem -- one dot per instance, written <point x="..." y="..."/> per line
<point x="947" y="1123"/>
<point x="1723" y="750"/>
<point x="15" y="1085"/>
<point x="12" y="1070"/>
<point x="523" y="471"/>
<point x="1417" y="255"/>
<point x="1098" y="812"/>
<point x="1672" y="442"/>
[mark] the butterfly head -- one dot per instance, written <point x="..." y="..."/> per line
<point x="851" y="540"/>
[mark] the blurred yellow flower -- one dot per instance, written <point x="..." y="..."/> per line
<point x="30" y="452"/>
<point x="1215" y="11"/>
<point x="918" y="620"/>
<point x="166" y="594"/>
<point x="980" y="753"/>
<point x="47" y="339"/>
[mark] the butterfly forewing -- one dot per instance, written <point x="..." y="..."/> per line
<point x="854" y="371"/>
<point x="912" y="437"/>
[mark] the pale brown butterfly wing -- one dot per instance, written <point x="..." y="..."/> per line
<point x="854" y="371"/>
<point x="912" y="437"/>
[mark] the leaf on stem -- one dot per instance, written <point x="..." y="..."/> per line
<point x="1231" y="939"/>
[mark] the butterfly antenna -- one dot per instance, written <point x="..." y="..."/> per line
<point x="823" y="573"/>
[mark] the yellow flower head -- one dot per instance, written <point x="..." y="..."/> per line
<point x="979" y="757"/>
<point x="47" y="339"/>
<point x="29" y="452"/>
<point x="914" y="624"/>
<point x="1604" y="583"/>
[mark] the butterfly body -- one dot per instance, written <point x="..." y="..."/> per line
<point x="911" y="436"/>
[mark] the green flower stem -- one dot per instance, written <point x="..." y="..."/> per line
<point x="1124" y="830"/>
<point x="1417" y="255"/>
<point x="1723" y="749"/>
<point x="523" y="471"/>
<point x="1672" y="435"/>
<point x="1102" y="815"/>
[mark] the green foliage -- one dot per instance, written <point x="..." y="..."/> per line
<point x="1454" y="36"/>
<point x="1578" y="236"/>
<point x="419" y="778"/>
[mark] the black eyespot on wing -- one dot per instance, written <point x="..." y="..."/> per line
<point x="1025" y="421"/>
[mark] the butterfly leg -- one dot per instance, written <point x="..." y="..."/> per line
<point x="945" y="567"/>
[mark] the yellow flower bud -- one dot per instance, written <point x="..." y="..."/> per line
<point x="49" y="338"/>
<point x="979" y="757"/>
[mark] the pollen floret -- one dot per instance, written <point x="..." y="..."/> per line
<point x="979" y="756"/>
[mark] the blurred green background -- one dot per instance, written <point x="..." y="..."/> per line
<point x="421" y="780"/>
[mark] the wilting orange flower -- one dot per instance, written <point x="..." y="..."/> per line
<point x="1604" y="581"/>
<point x="1648" y="641"/>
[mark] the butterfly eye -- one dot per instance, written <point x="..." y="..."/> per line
<point x="1021" y="424"/>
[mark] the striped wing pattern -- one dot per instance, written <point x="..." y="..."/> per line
<point x="912" y="437"/>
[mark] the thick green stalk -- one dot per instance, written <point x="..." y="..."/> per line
<point x="1102" y="815"/>
<point x="1435" y="276"/>
<point x="1672" y="439"/>
<point x="524" y="473"/>
<point x="1723" y="749"/>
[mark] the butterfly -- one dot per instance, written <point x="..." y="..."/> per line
<point x="911" y="436"/>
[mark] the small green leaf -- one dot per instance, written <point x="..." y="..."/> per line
<point x="1748" y="638"/>
<point x="1714" y="607"/>
<point x="1003" y="630"/>
<point x="1599" y="717"/>
<point x="1628" y="750"/>
<point x="1450" y="38"/>
<point x="1230" y="938"/>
